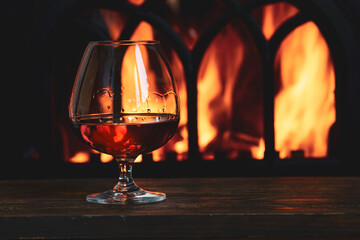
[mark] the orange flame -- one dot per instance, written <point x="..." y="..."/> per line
<point x="209" y="87"/>
<point x="80" y="157"/>
<point x="274" y="15"/>
<point x="305" y="104"/>
<point x="216" y="82"/>
<point x="179" y="143"/>
<point x="136" y="2"/>
<point x="115" y="23"/>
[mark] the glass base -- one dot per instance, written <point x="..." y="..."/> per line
<point x="126" y="191"/>
<point x="138" y="196"/>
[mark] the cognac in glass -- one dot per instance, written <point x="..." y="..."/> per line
<point x="124" y="103"/>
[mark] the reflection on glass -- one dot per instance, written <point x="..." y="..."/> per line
<point x="124" y="103"/>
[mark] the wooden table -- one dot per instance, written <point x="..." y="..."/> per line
<point x="273" y="207"/>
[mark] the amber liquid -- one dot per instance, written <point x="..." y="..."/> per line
<point x="128" y="135"/>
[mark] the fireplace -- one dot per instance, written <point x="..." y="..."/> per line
<point x="267" y="87"/>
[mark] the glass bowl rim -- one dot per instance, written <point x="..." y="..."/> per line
<point x="125" y="42"/>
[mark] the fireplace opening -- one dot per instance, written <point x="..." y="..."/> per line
<point x="266" y="87"/>
<point x="229" y="80"/>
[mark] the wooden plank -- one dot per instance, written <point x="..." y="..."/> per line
<point x="195" y="208"/>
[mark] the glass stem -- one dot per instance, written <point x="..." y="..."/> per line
<point x="126" y="182"/>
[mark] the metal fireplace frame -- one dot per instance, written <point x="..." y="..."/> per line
<point x="337" y="32"/>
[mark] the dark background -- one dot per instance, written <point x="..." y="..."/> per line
<point x="28" y="100"/>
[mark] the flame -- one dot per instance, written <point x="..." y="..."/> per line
<point x="257" y="152"/>
<point x="105" y="158"/>
<point x="304" y="106"/>
<point x="80" y="157"/>
<point x="274" y="15"/>
<point x="144" y="31"/>
<point x="136" y="2"/>
<point x="84" y="157"/>
<point x="114" y="21"/>
<point x="179" y="143"/>
<point x="216" y="82"/>
<point x="209" y="87"/>
<point x="181" y="147"/>
<point x="305" y="103"/>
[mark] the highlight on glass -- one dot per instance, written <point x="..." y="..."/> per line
<point x="124" y="103"/>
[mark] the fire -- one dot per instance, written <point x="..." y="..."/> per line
<point x="217" y="77"/>
<point x="209" y="86"/>
<point x="179" y="143"/>
<point x="136" y="2"/>
<point x="257" y="152"/>
<point x="104" y="158"/>
<point x="274" y="15"/>
<point x="115" y="23"/>
<point x="305" y="103"/>
<point x="80" y="157"/>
